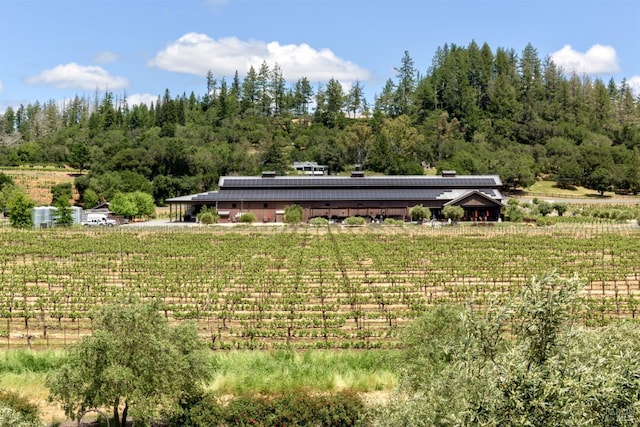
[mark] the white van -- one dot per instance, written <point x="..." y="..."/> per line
<point x="98" y="219"/>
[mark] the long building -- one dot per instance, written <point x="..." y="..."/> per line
<point x="339" y="197"/>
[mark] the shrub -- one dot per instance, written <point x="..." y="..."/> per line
<point x="391" y="221"/>
<point x="208" y="215"/>
<point x="319" y="221"/>
<point x="455" y="213"/>
<point x="514" y="213"/>
<point x="293" y="214"/>
<point x="419" y="213"/>
<point x="200" y="410"/>
<point x="294" y="407"/>
<point x="248" y="218"/>
<point x="560" y="207"/>
<point x="21" y="409"/>
<point x="354" y="220"/>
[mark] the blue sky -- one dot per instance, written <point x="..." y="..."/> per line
<point x="57" y="49"/>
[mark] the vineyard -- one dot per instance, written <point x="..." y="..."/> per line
<point x="304" y="287"/>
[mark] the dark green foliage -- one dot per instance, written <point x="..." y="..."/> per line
<point x="5" y="180"/>
<point x="296" y="407"/>
<point x="61" y="193"/>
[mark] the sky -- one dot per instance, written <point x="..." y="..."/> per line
<point x="59" y="49"/>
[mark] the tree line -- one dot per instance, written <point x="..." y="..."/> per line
<point x="475" y="110"/>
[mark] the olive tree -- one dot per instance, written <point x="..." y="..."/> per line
<point x="134" y="362"/>
<point x="419" y="213"/>
<point x="524" y="363"/>
<point x="293" y="214"/>
<point x="454" y="213"/>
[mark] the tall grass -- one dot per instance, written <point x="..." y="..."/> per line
<point x="318" y="370"/>
<point x="244" y="371"/>
<point x="27" y="361"/>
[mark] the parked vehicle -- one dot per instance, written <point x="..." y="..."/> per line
<point x="98" y="220"/>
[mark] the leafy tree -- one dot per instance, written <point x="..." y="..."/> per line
<point x="124" y="204"/>
<point x="454" y="213"/>
<point x="64" y="215"/>
<point x="524" y="364"/>
<point x="419" y="213"/>
<point x="600" y="180"/>
<point x="130" y="205"/>
<point x="90" y="199"/>
<point x="61" y="192"/>
<point x="20" y="210"/>
<point x="560" y="208"/>
<point x="134" y="360"/>
<point x="144" y="204"/>
<point x="79" y="156"/>
<point x="544" y="208"/>
<point x="293" y="214"/>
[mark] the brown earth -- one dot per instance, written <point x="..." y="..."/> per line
<point x="36" y="182"/>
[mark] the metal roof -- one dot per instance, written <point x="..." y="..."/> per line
<point x="421" y="181"/>
<point x="338" y="188"/>
<point x="299" y="195"/>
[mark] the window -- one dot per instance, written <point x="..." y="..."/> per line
<point x="233" y="205"/>
<point x="266" y="205"/>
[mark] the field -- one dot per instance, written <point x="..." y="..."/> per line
<point x="36" y="182"/>
<point x="269" y="288"/>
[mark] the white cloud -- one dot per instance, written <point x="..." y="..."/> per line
<point x="634" y="84"/>
<point x="141" y="98"/>
<point x="195" y="53"/>
<point x="598" y="59"/>
<point x="105" y="57"/>
<point x="1" y="86"/>
<point x="74" y="76"/>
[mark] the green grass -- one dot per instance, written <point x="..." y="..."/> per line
<point x="320" y="370"/>
<point x="549" y="188"/>
<point x="237" y="372"/>
<point x="26" y="361"/>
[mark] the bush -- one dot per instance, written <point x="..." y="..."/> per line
<point x="454" y="213"/>
<point x="319" y="221"/>
<point x="21" y="409"/>
<point x="395" y="222"/>
<point x="419" y="213"/>
<point x="354" y="220"/>
<point x="293" y="214"/>
<point x="248" y="218"/>
<point x="208" y="215"/>
<point x="295" y="407"/>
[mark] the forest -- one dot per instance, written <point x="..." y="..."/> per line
<point x="475" y="110"/>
